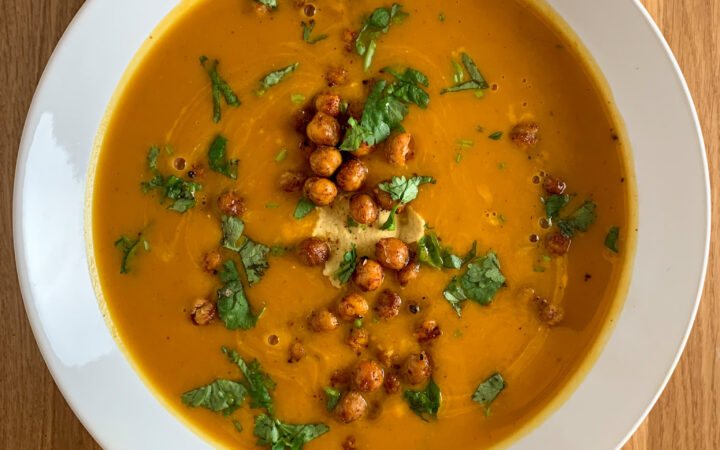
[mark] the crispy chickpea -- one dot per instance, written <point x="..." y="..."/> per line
<point x="296" y="351"/>
<point x="392" y="383"/>
<point x="525" y="135"/>
<point x="352" y="306"/>
<point x="349" y="37"/>
<point x="557" y="244"/>
<point x="363" y="209"/>
<point x="212" y="261"/>
<point x="427" y="331"/>
<point x="336" y="76"/>
<point x="385" y="201"/>
<point x="323" y="130"/>
<point x="368" y="275"/>
<point x="392" y="253"/>
<point x="358" y="339"/>
<point x="417" y="368"/>
<point x="324" y="161"/>
<point x="320" y="191"/>
<point x="292" y="180"/>
<point x="340" y="378"/>
<point x="400" y="149"/>
<point x="386" y="356"/>
<point x="328" y="104"/>
<point x="322" y="321"/>
<point x="364" y="149"/>
<point x="388" y="304"/>
<point x="203" y="311"/>
<point x="352" y="175"/>
<point x="313" y="251"/>
<point x="231" y="204"/>
<point x="303" y="116"/>
<point x="554" y="185"/>
<point x="549" y="313"/>
<point x="367" y="376"/>
<point x="409" y="272"/>
<point x="352" y="406"/>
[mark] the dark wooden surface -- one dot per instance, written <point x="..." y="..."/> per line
<point x="33" y="413"/>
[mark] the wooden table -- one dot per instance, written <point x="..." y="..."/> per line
<point x="34" y="415"/>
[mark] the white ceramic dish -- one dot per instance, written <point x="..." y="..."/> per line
<point x="120" y="412"/>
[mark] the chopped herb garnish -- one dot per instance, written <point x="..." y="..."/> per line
<point x="496" y="135"/>
<point x="218" y="162"/>
<point x="307" y="30"/>
<point x="221" y="395"/>
<point x="220" y="88"/>
<point x="259" y="384"/>
<point x="378" y="23"/>
<point x="579" y="220"/>
<point x="281" y="155"/>
<point x="479" y="284"/>
<point x="538" y="269"/>
<point x="269" y="3"/>
<point x="441" y="16"/>
<point x="303" y="208"/>
<point x="333" y="397"/>
<point x="426" y="401"/>
<point x="402" y="191"/>
<point x="611" y="240"/>
<point x="477" y="81"/>
<point x="546" y="258"/>
<point x="351" y="223"/>
<point x="277" y="435"/>
<point x="479" y="94"/>
<point x="180" y="191"/>
<point x="275" y="77"/>
<point x="465" y="143"/>
<point x="502" y="218"/>
<point x="169" y="150"/>
<point x="458" y="157"/>
<point x="480" y="129"/>
<point x="501" y="165"/>
<point x="129" y="247"/>
<point x="554" y="203"/>
<point x="347" y="266"/>
<point x="407" y="87"/>
<point x="297" y="98"/>
<point x="254" y="259"/>
<point x="459" y="74"/>
<point x="272" y="205"/>
<point x="232" y="305"/>
<point x="358" y="323"/>
<point x="232" y="230"/>
<point x="488" y="390"/>
<point x="237" y="425"/>
<point x="430" y="252"/>
<point x="152" y="157"/>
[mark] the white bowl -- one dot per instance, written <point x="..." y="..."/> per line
<point x="115" y="406"/>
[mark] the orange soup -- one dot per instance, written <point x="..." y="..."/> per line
<point x="360" y="225"/>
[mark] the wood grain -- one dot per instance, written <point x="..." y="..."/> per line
<point x="33" y="414"/>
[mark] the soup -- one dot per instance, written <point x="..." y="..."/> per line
<point x="360" y="225"/>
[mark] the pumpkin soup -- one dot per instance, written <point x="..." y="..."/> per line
<point x="358" y="224"/>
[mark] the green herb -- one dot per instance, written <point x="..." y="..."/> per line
<point x="378" y="23"/>
<point x="579" y="220"/>
<point x="254" y="259"/>
<point x="281" y="155"/>
<point x="441" y="16"/>
<point x="303" y="208"/>
<point x="554" y="203"/>
<point x="269" y="3"/>
<point x="477" y="81"/>
<point x="232" y="230"/>
<point x="402" y="191"/>
<point x="180" y="191"/>
<point x="459" y="74"/>
<point x="546" y="258"/>
<point x="221" y="395"/>
<point x="458" y="157"/>
<point x="237" y="425"/>
<point x="259" y="384"/>
<point x="275" y="77"/>
<point x="496" y="135"/>
<point x="426" y="401"/>
<point x="479" y="284"/>
<point x="297" y="98"/>
<point x="358" y="323"/>
<point x="501" y="165"/>
<point x="502" y="218"/>
<point x="611" y="240"/>
<point x="434" y="255"/>
<point x="152" y="157"/>
<point x="465" y="143"/>
<point x="347" y="266"/>
<point x="407" y="87"/>
<point x="351" y="223"/>
<point x="538" y="269"/>
<point x="279" y="250"/>
<point x="168" y="150"/>
<point x="307" y="30"/>
<point x="277" y="435"/>
<point x="129" y="247"/>
<point x="479" y="94"/>
<point x="232" y="305"/>
<point x="333" y="397"/>
<point x="218" y="162"/>
<point x="480" y="129"/>
<point x="488" y="390"/>
<point x="220" y="88"/>
<point x="271" y="205"/>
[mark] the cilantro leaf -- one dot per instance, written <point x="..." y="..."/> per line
<point x="488" y="390"/>
<point x="438" y="257"/>
<point x="407" y="89"/>
<point x="275" y="77"/>
<point x="554" y="203"/>
<point x="378" y="23"/>
<point x="269" y="3"/>
<point x="480" y="282"/>
<point x="307" y="30"/>
<point x="579" y="220"/>
<point x="333" y="397"/>
<point x="403" y="191"/>
<point x="303" y="208"/>
<point x="253" y="257"/>
<point x="277" y="435"/>
<point x="611" y="240"/>
<point x="347" y="266"/>
<point x="426" y="401"/>
<point x="219" y="88"/>
<point x="172" y="187"/>
<point x="128" y="248"/>
<point x="232" y="230"/>
<point x="219" y="396"/>
<point x="232" y="305"/>
<point x="218" y="162"/>
<point x="477" y="81"/>
<point x="259" y="383"/>
<point x="496" y="135"/>
<point x="152" y="157"/>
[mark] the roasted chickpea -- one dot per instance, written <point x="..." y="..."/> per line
<point x="358" y="339"/>
<point x="392" y="383"/>
<point x="400" y="149"/>
<point x="352" y="175"/>
<point x="363" y="209"/>
<point x="292" y="181"/>
<point x="367" y="376"/>
<point x="313" y="251"/>
<point x="409" y="272"/>
<point x="352" y="406"/>
<point x="324" y="161"/>
<point x="349" y="443"/>
<point x="385" y="201"/>
<point x="427" y="331"/>
<point x="417" y="368"/>
<point x="386" y="356"/>
<point x="352" y="306"/>
<point x="336" y="76"/>
<point x="549" y="313"/>
<point x="554" y="185"/>
<point x="557" y="244"/>
<point x="231" y="204"/>
<point x="212" y="261"/>
<point x="203" y="311"/>
<point x="323" y="130"/>
<point x="392" y="253"/>
<point x="320" y="191"/>
<point x="296" y="351"/>
<point x="388" y="304"/>
<point x="368" y="275"/>
<point x="328" y="104"/>
<point x="525" y="135"/>
<point x="322" y="321"/>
